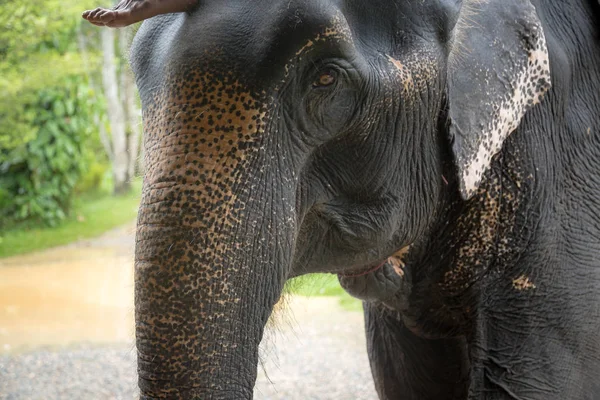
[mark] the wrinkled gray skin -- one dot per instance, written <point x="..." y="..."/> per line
<point x="440" y="156"/>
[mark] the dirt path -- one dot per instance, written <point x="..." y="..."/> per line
<point x="66" y="327"/>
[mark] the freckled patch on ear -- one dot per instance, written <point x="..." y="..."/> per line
<point x="523" y="283"/>
<point x="498" y="69"/>
<point x="527" y="91"/>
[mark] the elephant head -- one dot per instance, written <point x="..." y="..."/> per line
<point x="289" y="137"/>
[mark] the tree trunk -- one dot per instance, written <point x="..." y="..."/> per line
<point x="115" y="113"/>
<point x="104" y="139"/>
<point x="132" y="112"/>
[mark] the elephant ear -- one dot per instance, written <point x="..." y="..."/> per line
<point x="498" y="68"/>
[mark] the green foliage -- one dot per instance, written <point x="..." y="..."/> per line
<point x="47" y="139"/>
<point x="38" y="46"/>
<point x="37" y="178"/>
<point x="92" y="214"/>
<point x="94" y="177"/>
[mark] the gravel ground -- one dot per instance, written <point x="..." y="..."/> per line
<point x="78" y="373"/>
<point x="314" y="351"/>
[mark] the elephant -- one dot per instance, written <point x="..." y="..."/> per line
<point x="440" y="157"/>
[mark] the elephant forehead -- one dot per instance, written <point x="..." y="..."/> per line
<point x="336" y="30"/>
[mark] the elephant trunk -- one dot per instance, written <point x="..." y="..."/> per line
<point x="202" y="301"/>
<point x="213" y="244"/>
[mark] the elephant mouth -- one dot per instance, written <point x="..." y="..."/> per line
<point x="356" y="273"/>
<point x="396" y="261"/>
<point x="384" y="281"/>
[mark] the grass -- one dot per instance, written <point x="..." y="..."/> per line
<point x="322" y="285"/>
<point x="92" y="215"/>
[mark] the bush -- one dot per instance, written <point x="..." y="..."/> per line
<point x="93" y="177"/>
<point x="37" y="178"/>
<point x="47" y="151"/>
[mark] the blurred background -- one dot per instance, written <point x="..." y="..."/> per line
<point x="70" y="155"/>
<point x="70" y="126"/>
<point x="71" y="162"/>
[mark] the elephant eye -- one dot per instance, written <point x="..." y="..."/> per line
<point x="325" y="79"/>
